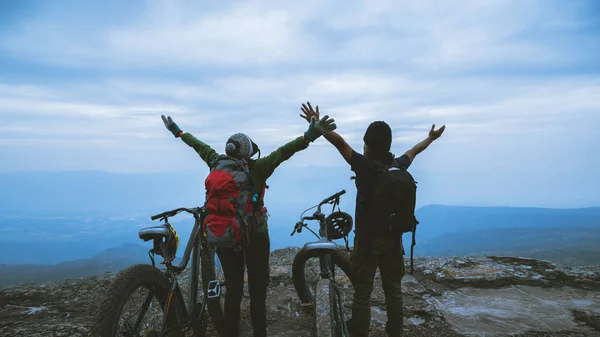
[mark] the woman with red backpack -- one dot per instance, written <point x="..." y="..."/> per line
<point x="237" y="219"/>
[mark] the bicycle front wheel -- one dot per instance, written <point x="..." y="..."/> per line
<point x="136" y="304"/>
<point x="305" y="271"/>
<point x="330" y="320"/>
<point x="324" y="310"/>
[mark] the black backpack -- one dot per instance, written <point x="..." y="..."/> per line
<point x="395" y="197"/>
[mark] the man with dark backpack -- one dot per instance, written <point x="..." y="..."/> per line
<point x="237" y="219"/>
<point x="385" y="204"/>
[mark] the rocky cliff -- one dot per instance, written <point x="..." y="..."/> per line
<point x="458" y="296"/>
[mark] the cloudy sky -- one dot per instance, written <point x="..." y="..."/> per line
<point x="517" y="84"/>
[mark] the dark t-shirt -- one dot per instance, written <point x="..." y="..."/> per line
<point x="365" y="185"/>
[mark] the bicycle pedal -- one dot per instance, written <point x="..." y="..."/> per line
<point x="214" y="289"/>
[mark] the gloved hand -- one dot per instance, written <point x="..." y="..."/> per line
<point x="317" y="129"/>
<point x="171" y="126"/>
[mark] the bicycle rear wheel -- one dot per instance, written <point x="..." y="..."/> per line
<point x="213" y="271"/>
<point x="116" y="318"/>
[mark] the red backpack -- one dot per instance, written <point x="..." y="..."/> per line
<point x="229" y="206"/>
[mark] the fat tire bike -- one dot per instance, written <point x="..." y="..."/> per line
<point x="163" y="292"/>
<point x="327" y="296"/>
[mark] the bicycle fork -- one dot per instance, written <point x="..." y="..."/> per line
<point x="341" y="320"/>
<point x="327" y="271"/>
<point x="338" y="323"/>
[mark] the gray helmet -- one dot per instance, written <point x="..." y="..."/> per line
<point x="241" y="146"/>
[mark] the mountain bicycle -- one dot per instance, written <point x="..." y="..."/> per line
<point x="327" y="296"/>
<point x="163" y="300"/>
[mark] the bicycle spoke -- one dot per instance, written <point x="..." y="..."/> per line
<point x="131" y="330"/>
<point x="147" y="314"/>
<point x="144" y="309"/>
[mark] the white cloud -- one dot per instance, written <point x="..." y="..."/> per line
<point x="242" y="34"/>
<point x="220" y="68"/>
<point x="171" y="32"/>
<point x="505" y="77"/>
<point x="178" y="34"/>
<point x="501" y="110"/>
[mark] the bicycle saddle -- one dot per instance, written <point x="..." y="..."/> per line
<point x="164" y="235"/>
<point x="154" y="232"/>
<point x="339" y="224"/>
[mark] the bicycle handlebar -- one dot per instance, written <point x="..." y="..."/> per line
<point x="333" y="197"/>
<point x="174" y="212"/>
<point x="309" y="218"/>
<point x="318" y="215"/>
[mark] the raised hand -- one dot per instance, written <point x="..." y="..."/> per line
<point x="309" y="112"/>
<point x="171" y="126"/>
<point x="317" y="129"/>
<point x="435" y="134"/>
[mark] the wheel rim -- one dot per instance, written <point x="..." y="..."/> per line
<point x="142" y="314"/>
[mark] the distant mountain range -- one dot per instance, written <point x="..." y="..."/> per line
<point x="91" y="220"/>
<point x="113" y="259"/>
<point x="568" y="236"/>
<point x="85" y="193"/>
<point x="436" y="220"/>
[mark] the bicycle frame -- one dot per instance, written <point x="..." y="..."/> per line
<point x="193" y="249"/>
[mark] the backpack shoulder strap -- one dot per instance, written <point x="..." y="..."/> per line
<point x="396" y="163"/>
<point x="216" y="160"/>
<point x="223" y="157"/>
<point x="379" y="166"/>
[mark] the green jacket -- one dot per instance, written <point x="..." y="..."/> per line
<point x="260" y="169"/>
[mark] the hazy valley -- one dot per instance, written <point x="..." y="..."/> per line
<point x="75" y="224"/>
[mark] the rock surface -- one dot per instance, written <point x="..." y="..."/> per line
<point x="453" y="296"/>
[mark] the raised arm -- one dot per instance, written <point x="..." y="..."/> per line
<point x="333" y="137"/>
<point x="420" y="147"/>
<point x="206" y="152"/>
<point x="264" y="167"/>
<point x="340" y="144"/>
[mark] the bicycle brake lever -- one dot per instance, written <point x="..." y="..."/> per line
<point x="297" y="228"/>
